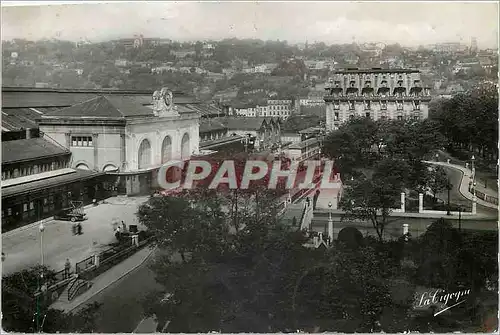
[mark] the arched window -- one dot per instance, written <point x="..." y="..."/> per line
<point x="109" y="167"/>
<point x="82" y="166"/>
<point x="166" y="149"/>
<point x="185" y="147"/>
<point x="144" y="154"/>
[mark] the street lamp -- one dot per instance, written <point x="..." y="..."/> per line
<point x="330" y="223"/>
<point x="41" y="286"/>
<point x="42" y="228"/>
<point x="472" y="167"/>
<point x="459" y="218"/>
<point x="448" y="187"/>
<point x="437" y="157"/>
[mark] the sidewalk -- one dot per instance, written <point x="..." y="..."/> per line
<point x="482" y="177"/>
<point x="464" y="185"/>
<point x="22" y="246"/>
<point x="478" y="216"/>
<point x="104" y="280"/>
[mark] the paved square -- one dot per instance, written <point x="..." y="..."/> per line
<point x="22" y="247"/>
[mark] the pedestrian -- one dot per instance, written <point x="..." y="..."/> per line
<point x="79" y="227"/>
<point x="67" y="269"/>
<point x="117" y="233"/>
<point x="124" y="226"/>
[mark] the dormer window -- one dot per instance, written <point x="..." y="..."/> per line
<point x="337" y="83"/>
<point x="352" y="83"/>
<point x="368" y="84"/>
<point x="384" y="83"/>
<point x="400" y="83"/>
<point x="351" y="105"/>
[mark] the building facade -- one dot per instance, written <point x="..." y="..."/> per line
<point x="128" y="136"/>
<point x="37" y="181"/>
<point x="264" y="133"/>
<point x="376" y="93"/>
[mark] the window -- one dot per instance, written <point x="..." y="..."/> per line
<point x="400" y="117"/>
<point x="351" y="105"/>
<point x="399" y="105"/>
<point x="351" y="116"/>
<point x="9" y="211"/>
<point x="25" y="207"/>
<point x="417" y="105"/>
<point x="383" y="105"/>
<point x="336" y="117"/>
<point x="81" y="141"/>
<point x="32" y="205"/>
<point x="336" y="105"/>
<point x="367" y="114"/>
<point x="368" y="104"/>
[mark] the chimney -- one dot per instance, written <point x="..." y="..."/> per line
<point x="28" y="133"/>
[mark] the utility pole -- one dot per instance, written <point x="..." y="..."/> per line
<point x="448" y="186"/>
<point x="460" y="219"/>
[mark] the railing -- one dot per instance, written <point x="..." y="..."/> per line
<point x="485" y="197"/>
<point x="85" y="264"/>
<point x="60" y="275"/>
<point x="75" y="288"/>
<point x="72" y="289"/>
<point x="303" y="216"/>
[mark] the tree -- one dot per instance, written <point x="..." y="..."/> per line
<point x="437" y="180"/>
<point x="372" y="199"/>
<point x="240" y="286"/>
<point x="184" y="225"/>
<point x="22" y="312"/>
<point x="470" y="121"/>
<point x="351" y="145"/>
<point x="347" y="291"/>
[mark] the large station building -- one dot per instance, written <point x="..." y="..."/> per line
<point x="376" y="93"/>
<point x="130" y="137"/>
<point x="65" y="147"/>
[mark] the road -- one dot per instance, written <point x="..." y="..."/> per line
<point x="121" y="309"/>
<point x="457" y="198"/>
<point x="22" y="247"/>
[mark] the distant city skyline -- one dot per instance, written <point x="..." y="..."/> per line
<point x="406" y="23"/>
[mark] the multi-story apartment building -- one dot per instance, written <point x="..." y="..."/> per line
<point x="375" y="93"/>
<point x="274" y="108"/>
<point x="279" y="108"/>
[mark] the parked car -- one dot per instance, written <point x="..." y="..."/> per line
<point x="69" y="214"/>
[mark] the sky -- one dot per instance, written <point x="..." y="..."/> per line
<point x="407" y="23"/>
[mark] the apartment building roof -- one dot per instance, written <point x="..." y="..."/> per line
<point x="374" y="70"/>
